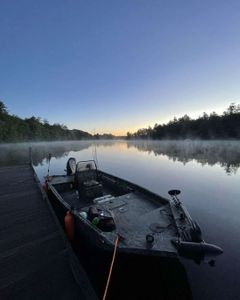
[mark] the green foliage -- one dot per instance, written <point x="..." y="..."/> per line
<point x="213" y="126"/>
<point x="15" y="129"/>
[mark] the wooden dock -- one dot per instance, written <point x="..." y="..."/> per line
<point x="36" y="262"/>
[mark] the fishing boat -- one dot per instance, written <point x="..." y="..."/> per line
<point x="106" y="208"/>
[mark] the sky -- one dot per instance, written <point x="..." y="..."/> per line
<point x="118" y="65"/>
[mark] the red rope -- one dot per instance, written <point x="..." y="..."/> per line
<point x="111" y="267"/>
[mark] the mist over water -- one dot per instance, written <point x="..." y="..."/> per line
<point x="223" y="153"/>
<point x="206" y="172"/>
<point x="11" y="154"/>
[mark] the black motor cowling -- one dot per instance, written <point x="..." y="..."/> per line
<point x="71" y="166"/>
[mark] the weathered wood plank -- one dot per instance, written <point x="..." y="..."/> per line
<point x="34" y="255"/>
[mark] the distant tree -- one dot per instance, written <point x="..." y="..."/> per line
<point x="205" y="116"/>
<point x="3" y="108"/>
<point x="213" y="114"/>
<point x="129" y="135"/>
<point x="231" y="109"/>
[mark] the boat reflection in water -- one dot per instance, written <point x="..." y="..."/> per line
<point x="134" y="277"/>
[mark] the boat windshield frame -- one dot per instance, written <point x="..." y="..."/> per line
<point x="86" y="165"/>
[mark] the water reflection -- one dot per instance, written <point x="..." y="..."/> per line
<point x="224" y="153"/>
<point x="211" y="196"/>
<point x="12" y="154"/>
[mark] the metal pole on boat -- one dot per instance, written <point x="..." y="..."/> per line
<point x="94" y="151"/>
<point x="96" y="158"/>
<point x="49" y="159"/>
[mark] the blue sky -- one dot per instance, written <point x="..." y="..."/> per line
<point x="118" y="65"/>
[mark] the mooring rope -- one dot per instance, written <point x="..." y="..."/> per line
<point x="111" y="267"/>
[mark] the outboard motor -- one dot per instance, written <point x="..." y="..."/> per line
<point x="197" y="251"/>
<point x="71" y="166"/>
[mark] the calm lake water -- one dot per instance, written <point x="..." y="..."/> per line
<point x="207" y="173"/>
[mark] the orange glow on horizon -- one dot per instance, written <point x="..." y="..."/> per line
<point x="118" y="132"/>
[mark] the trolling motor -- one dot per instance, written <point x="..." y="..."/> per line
<point x="173" y="194"/>
<point x="190" y="243"/>
<point x="184" y="213"/>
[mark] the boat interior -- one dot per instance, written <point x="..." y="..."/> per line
<point x="113" y="204"/>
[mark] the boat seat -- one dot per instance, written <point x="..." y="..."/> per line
<point x="87" y="184"/>
<point x="86" y="175"/>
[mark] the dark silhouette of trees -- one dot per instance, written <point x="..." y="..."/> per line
<point x="3" y="109"/>
<point x="213" y="126"/>
<point x="15" y="129"/>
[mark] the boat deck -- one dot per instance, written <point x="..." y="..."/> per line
<point x="135" y="214"/>
<point x="36" y="262"/>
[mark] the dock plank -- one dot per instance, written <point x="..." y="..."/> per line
<point x="36" y="262"/>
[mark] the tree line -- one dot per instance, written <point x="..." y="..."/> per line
<point x="212" y="126"/>
<point x="15" y="129"/>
